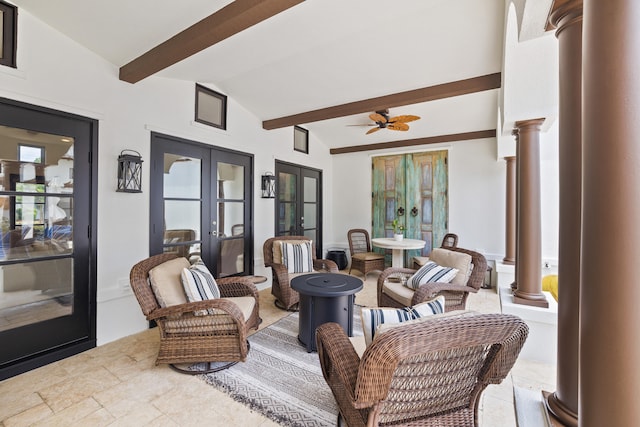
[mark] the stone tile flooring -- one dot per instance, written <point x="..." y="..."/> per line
<point x="118" y="384"/>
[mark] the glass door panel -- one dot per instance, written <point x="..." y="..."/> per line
<point x="182" y="206"/>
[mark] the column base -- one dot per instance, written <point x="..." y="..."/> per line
<point x="536" y="300"/>
<point x="509" y="261"/>
<point x="558" y="413"/>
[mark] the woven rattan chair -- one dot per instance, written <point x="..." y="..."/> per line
<point x="455" y="294"/>
<point x="430" y="373"/>
<point x="450" y="240"/>
<point x="186" y="338"/>
<point x="362" y="257"/>
<point x="286" y="297"/>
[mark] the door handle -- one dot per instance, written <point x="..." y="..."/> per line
<point x="414" y="211"/>
<point x="400" y="211"/>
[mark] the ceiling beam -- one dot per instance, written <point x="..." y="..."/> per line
<point x="431" y="93"/>
<point x="465" y="136"/>
<point x="231" y="19"/>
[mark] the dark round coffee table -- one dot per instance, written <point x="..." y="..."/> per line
<point x="324" y="297"/>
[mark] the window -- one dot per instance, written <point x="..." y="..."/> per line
<point x="301" y="139"/>
<point x="8" y="34"/>
<point x="30" y="153"/>
<point x="211" y="107"/>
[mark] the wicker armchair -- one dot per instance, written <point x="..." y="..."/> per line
<point x="286" y="297"/>
<point x="430" y="373"/>
<point x="362" y="258"/>
<point x="186" y="338"/>
<point x="455" y="294"/>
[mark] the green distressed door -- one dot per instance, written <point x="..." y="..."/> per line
<point x="412" y="188"/>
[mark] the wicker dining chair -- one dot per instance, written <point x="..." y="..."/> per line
<point x="186" y="338"/>
<point x="455" y="294"/>
<point x="430" y="373"/>
<point x="362" y="257"/>
<point x="286" y="297"/>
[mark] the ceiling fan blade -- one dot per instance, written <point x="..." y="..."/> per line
<point x="398" y="126"/>
<point x="404" y="118"/>
<point x="376" y="117"/>
<point x="369" y="124"/>
<point x="372" y="130"/>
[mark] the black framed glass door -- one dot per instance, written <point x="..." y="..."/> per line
<point x="201" y="204"/>
<point x="47" y="246"/>
<point x="299" y="203"/>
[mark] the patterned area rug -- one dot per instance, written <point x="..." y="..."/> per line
<point x="280" y="379"/>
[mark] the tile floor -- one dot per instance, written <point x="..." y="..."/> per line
<point x="118" y="384"/>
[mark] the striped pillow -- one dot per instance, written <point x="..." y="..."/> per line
<point x="199" y="285"/>
<point x="431" y="273"/>
<point x="372" y="318"/>
<point x="297" y="257"/>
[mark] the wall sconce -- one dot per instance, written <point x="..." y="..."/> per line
<point x="129" y="172"/>
<point x="268" y="186"/>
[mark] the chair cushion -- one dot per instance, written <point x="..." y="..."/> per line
<point x="431" y="272"/>
<point x="457" y="260"/>
<point x="398" y="292"/>
<point x="366" y="256"/>
<point x="372" y="318"/>
<point x="199" y="284"/>
<point x="219" y="322"/>
<point x="297" y="257"/>
<point x="166" y="283"/>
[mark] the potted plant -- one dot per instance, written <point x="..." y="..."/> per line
<point x="398" y="229"/>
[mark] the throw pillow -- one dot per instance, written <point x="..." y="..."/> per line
<point x="165" y="282"/>
<point x="297" y="257"/>
<point x="431" y="273"/>
<point x="455" y="259"/>
<point x="199" y="285"/>
<point x="374" y="317"/>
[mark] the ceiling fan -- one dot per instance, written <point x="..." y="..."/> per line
<point x="383" y="121"/>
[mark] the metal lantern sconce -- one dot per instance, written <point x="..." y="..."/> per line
<point x="268" y="186"/>
<point x="129" y="172"/>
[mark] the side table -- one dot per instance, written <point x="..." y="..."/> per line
<point x="324" y="297"/>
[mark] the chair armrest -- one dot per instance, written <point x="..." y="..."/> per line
<point x="236" y="286"/>
<point x="228" y="307"/>
<point x="280" y="273"/>
<point x="389" y="272"/>
<point x="325" y="264"/>
<point x="338" y="358"/>
<point x="431" y="290"/>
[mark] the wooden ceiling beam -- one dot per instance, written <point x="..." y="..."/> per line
<point x="416" y="96"/>
<point x="465" y="136"/>
<point x="231" y="19"/>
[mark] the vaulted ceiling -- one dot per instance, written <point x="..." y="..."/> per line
<point x="334" y="59"/>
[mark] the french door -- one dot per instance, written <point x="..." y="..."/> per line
<point x="412" y="188"/>
<point x="47" y="236"/>
<point x="299" y="203"/>
<point x="201" y="204"/>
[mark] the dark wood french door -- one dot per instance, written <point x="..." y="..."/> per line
<point x="201" y="204"/>
<point x="48" y="188"/>
<point x="298" y="203"/>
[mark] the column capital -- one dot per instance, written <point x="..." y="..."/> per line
<point x="531" y="123"/>
<point x="563" y="14"/>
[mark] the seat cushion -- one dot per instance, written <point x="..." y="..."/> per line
<point x="431" y="272"/>
<point x="217" y="323"/>
<point x="366" y="256"/>
<point x="199" y="284"/>
<point x="372" y="318"/>
<point x="398" y="292"/>
<point x="297" y="257"/>
<point x="457" y="260"/>
<point x="166" y="283"/>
